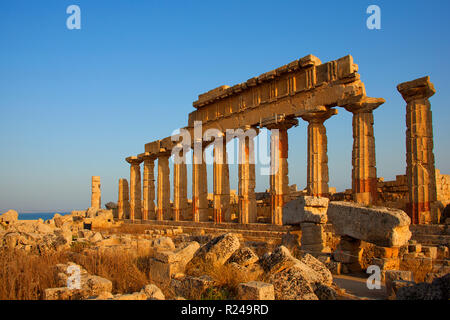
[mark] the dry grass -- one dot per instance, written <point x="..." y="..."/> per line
<point x="24" y="276"/>
<point x="127" y="273"/>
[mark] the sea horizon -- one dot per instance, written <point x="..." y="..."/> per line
<point x="39" y="215"/>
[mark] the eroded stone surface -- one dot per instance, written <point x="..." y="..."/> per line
<point x="381" y="226"/>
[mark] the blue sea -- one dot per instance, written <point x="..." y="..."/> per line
<point x="39" y="215"/>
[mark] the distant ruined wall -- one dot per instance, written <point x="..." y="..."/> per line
<point x="443" y="187"/>
<point x="394" y="194"/>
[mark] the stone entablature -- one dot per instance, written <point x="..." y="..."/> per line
<point x="297" y="88"/>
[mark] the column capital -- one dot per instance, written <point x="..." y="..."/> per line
<point x="319" y="116"/>
<point x="147" y="156"/>
<point x="363" y="104"/>
<point x="134" y="160"/>
<point x="279" y="122"/>
<point x="421" y="88"/>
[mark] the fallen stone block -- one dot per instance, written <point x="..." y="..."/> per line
<point x="305" y="209"/>
<point x="153" y="292"/>
<point x="378" y="225"/>
<point x="394" y="275"/>
<point x="218" y="250"/>
<point x="256" y="290"/>
<point x="9" y="217"/>
<point x="244" y="257"/>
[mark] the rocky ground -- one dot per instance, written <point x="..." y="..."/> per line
<point x="175" y="265"/>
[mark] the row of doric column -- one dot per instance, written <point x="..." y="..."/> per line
<point x="364" y="176"/>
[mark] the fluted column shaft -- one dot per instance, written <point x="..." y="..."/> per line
<point x="135" y="188"/>
<point x="95" y="192"/>
<point x="179" y="189"/>
<point x="364" y="171"/>
<point x="279" y="178"/>
<point x="222" y="209"/>
<point x="199" y="186"/>
<point x="317" y="172"/>
<point x="247" y="197"/>
<point x="148" y="212"/>
<point x="123" y="203"/>
<point x="163" y="210"/>
<point x="420" y="168"/>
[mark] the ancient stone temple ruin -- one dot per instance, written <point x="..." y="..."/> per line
<point x="305" y="89"/>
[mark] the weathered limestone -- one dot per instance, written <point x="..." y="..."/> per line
<point x="222" y="207"/>
<point x="279" y="179"/>
<point x="306" y="209"/>
<point x="311" y="213"/>
<point x="163" y="211"/>
<point x="96" y="192"/>
<point x="381" y="226"/>
<point x="180" y="188"/>
<point x="199" y="184"/>
<point x="123" y="204"/>
<point x="135" y="187"/>
<point x="247" y="198"/>
<point x="256" y="290"/>
<point x="364" y="173"/>
<point x="317" y="177"/>
<point x="217" y="250"/>
<point x="420" y="169"/>
<point x="298" y="87"/>
<point x="148" y="212"/>
<point x="9" y="217"/>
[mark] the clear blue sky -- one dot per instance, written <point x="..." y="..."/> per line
<point x="75" y="103"/>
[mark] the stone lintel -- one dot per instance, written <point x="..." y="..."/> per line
<point x="421" y="88"/>
<point x="363" y="104"/>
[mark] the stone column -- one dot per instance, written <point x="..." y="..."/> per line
<point x="95" y="192"/>
<point x="222" y="208"/>
<point x="420" y="169"/>
<point x="123" y="204"/>
<point x="180" y="188"/>
<point x="279" y="179"/>
<point x="163" y="211"/>
<point x="148" y="212"/>
<point x="199" y="184"/>
<point x="317" y="176"/>
<point x="364" y="173"/>
<point x="247" y="197"/>
<point x="135" y="188"/>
